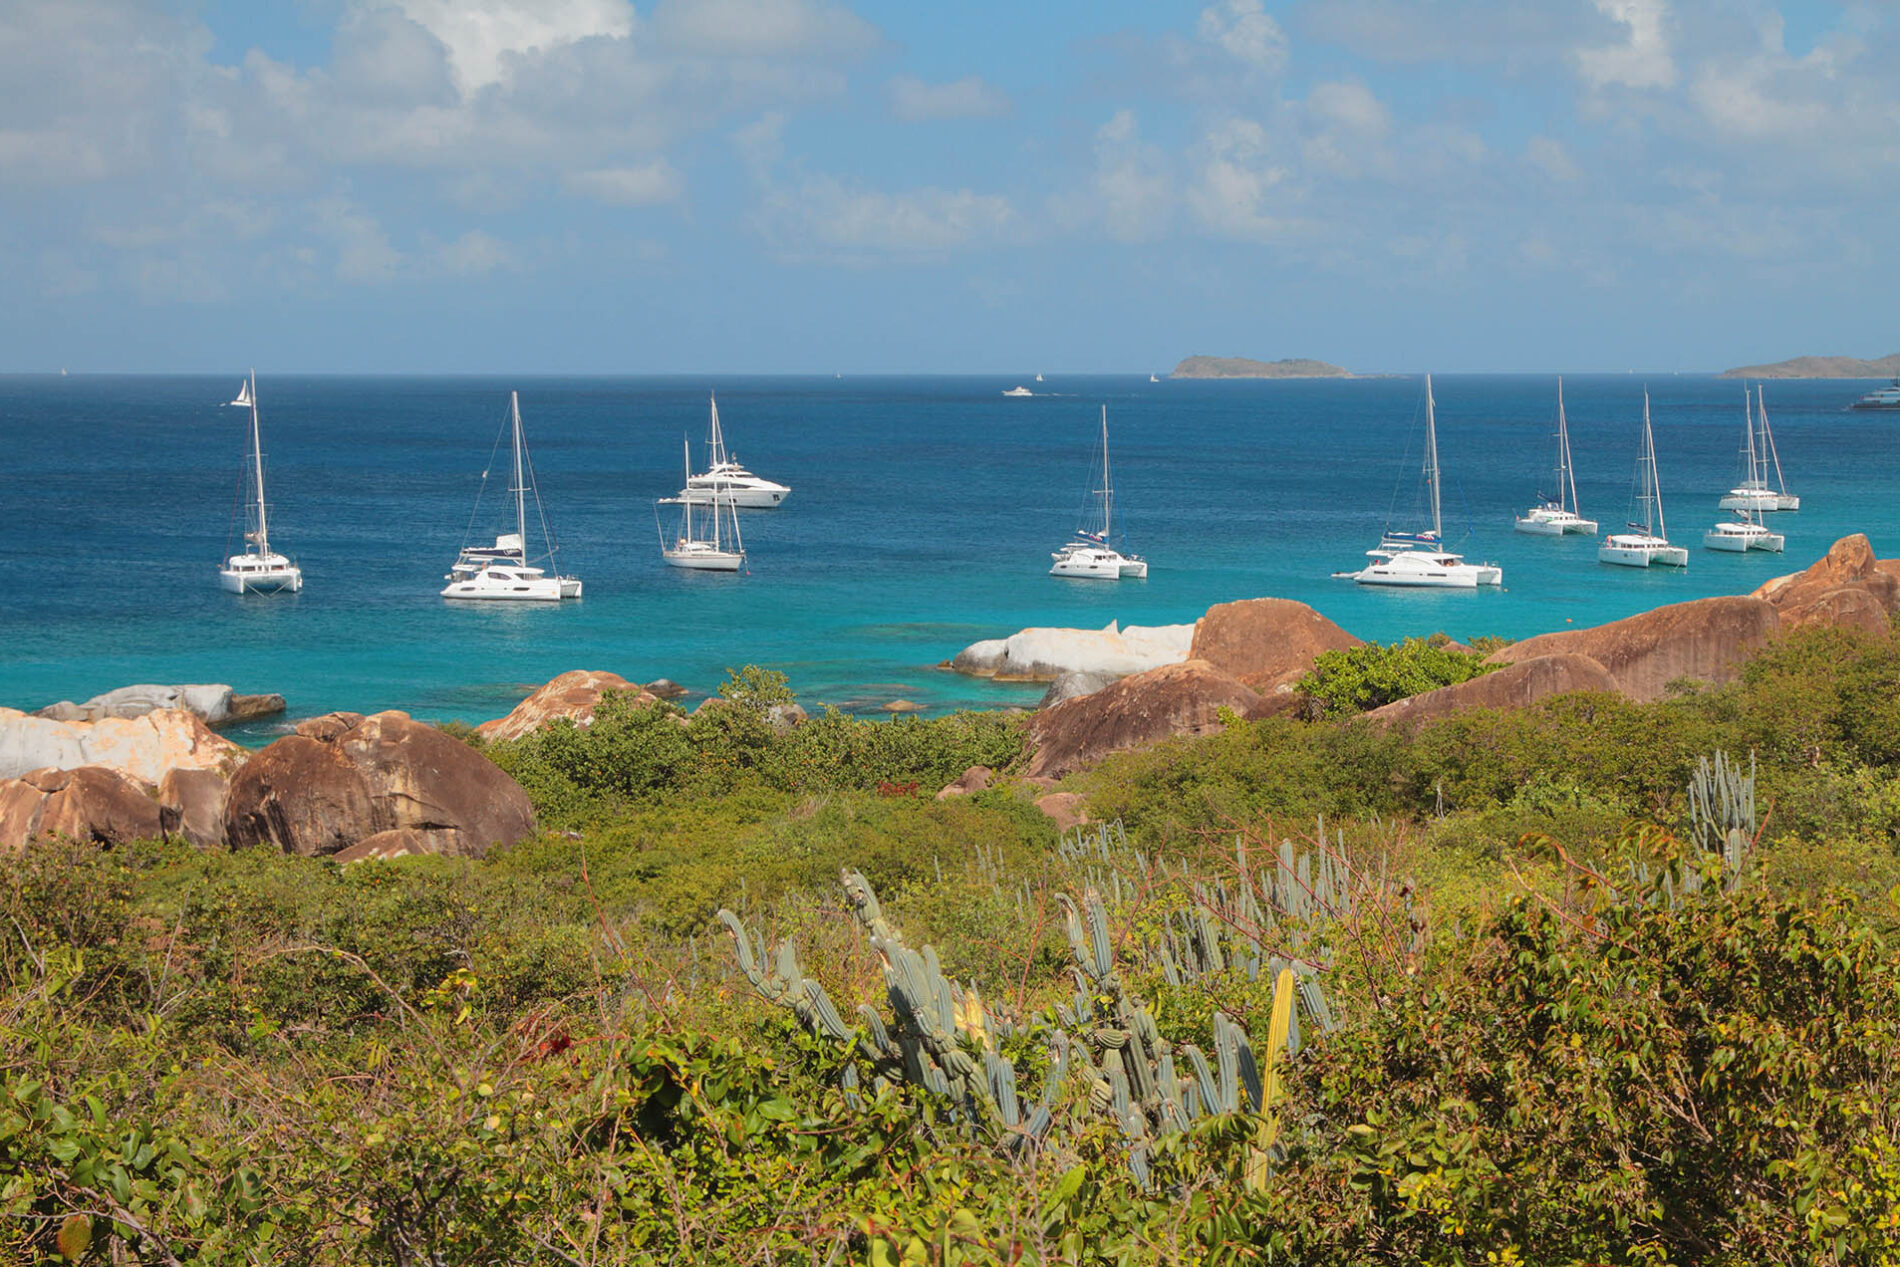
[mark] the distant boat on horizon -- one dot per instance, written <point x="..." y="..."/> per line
<point x="257" y="569"/>
<point x="1019" y="392"/>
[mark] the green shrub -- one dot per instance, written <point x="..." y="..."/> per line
<point x="1365" y="677"/>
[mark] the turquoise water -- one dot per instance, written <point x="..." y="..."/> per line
<point x="922" y="517"/>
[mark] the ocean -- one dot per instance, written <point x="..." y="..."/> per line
<point x="921" y="519"/>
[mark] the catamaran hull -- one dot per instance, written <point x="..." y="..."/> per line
<point x="1756" y="501"/>
<point x="547" y="590"/>
<point x="1467" y="578"/>
<point x="1548" y="528"/>
<point x="1731" y="544"/>
<point x="1643" y="556"/>
<point x="285" y="581"/>
<point x="1134" y="569"/>
<point x="1787" y="501"/>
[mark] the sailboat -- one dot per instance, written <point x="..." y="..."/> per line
<point x="1742" y="534"/>
<point x="1419" y="560"/>
<point x="1649" y="542"/>
<point x="726" y="480"/>
<point x="702" y="542"/>
<point x="1759" y="457"/>
<point x="258" y="569"/>
<point x="501" y="572"/>
<point x="1153" y="379"/>
<point x="1555" y="517"/>
<point x="1090" y="556"/>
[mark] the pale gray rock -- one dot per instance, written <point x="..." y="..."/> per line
<point x="1074" y="685"/>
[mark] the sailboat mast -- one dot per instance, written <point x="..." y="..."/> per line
<point x="257" y="462"/>
<point x="1756" y="474"/>
<point x="1769" y="453"/>
<point x="1566" y="473"/>
<point x="716" y="457"/>
<point x="1431" y="459"/>
<point x="1653" y="524"/>
<point x="1108" y="486"/>
<point x="686" y="531"/>
<point x="520" y="488"/>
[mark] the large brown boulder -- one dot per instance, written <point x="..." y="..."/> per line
<point x="1267" y="643"/>
<point x="191" y="805"/>
<point x="1707" y="639"/>
<point x="1847" y="587"/>
<point x="87" y="803"/>
<point x="345" y="778"/>
<point x="573" y="695"/>
<point x="1513" y="686"/>
<point x="1176" y="699"/>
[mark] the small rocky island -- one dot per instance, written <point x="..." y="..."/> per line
<point x="1820" y="367"/>
<point x="1241" y="367"/>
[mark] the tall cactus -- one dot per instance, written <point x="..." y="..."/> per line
<point x="1722" y="815"/>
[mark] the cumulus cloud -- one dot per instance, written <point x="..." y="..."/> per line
<point x="1245" y="32"/>
<point x="1237" y="183"/>
<point x="819" y="215"/>
<point x="472" y="255"/>
<point x="1349" y="128"/>
<point x="1642" y="59"/>
<point x="643" y="185"/>
<point x="764" y="28"/>
<point x="1134" y="182"/>
<point x="915" y="101"/>
<point x="1549" y="156"/>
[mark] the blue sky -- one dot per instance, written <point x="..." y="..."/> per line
<point x="809" y="185"/>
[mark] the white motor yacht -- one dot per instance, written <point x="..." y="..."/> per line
<point x="1089" y="556"/>
<point x="1019" y="392"/>
<point x="725" y="480"/>
<point x="502" y="572"/>
<point x="1880" y="398"/>
<point x="1557" y="516"/>
<point x="1419" y="560"/>
<point x="1741" y="535"/>
<point x="707" y="542"/>
<point x="1647" y="542"/>
<point x="258" y="569"/>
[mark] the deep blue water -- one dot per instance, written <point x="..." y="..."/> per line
<point x="922" y="516"/>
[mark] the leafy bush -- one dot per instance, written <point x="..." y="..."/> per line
<point x="1368" y="676"/>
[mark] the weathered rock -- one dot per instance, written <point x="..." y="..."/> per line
<point x="1707" y="639"/>
<point x="343" y="778"/>
<point x="786" y="717"/>
<point x="1267" y="643"/>
<point x="86" y="803"/>
<point x="214" y="704"/>
<point x="1065" y="809"/>
<point x="665" y="688"/>
<point x="1847" y="587"/>
<point x="1043" y="655"/>
<point x="403" y="842"/>
<point x="974" y="779"/>
<point x="573" y="695"/>
<point x="191" y="805"/>
<point x="144" y="747"/>
<point x="902" y="706"/>
<point x="1513" y="686"/>
<point x="1177" y="699"/>
<point x="1074" y="685"/>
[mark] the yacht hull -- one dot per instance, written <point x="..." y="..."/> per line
<point x="1557" y="528"/>
<point x="1406" y="572"/>
<point x="743" y="498"/>
<point x="1754" y="500"/>
<point x="1642" y="556"/>
<point x="286" y="581"/>
<point x="546" y="590"/>
<point x="705" y="560"/>
<point x="1097" y="565"/>
<point x="1787" y="501"/>
<point x="1730" y="543"/>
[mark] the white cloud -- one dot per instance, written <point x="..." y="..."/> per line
<point x="915" y="101"/>
<point x="1549" y="156"/>
<point x="1350" y="128"/>
<point x="483" y="37"/>
<point x="1236" y="183"/>
<point x="819" y="212"/>
<point x="363" y="252"/>
<point x="473" y="254"/>
<point x="1134" y="183"/>
<point x="1642" y="59"/>
<point x="644" y="185"/>
<point x="764" y="28"/>
<point x="1244" y="30"/>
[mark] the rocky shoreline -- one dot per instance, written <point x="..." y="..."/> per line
<point x="144" y="761"/>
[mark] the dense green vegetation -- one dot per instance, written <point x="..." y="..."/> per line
<point x="1372" y="674"/>
<point x="1566" y="1030"/>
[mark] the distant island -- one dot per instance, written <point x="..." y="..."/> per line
<point x="1241" y="367"/>
<point x="1819" y="367"/>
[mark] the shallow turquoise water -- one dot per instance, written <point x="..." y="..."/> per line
<point x="922" y="516"/>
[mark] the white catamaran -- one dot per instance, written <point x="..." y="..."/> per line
<point x="708" y="542"/>
<point x="727" y="481"/>
<point x="1559" y="515"/>
<point x="501" y="572"/>
<point x="1648" y="542"/>
<point x="1090" y="556"/>
<point x="1759" y="457"/>
<point x="257" y="569"/>
<point x="1419" y="560"/>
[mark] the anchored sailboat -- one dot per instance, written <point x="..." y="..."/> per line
<point x="501" y="572"/>
<point x="1648" y="543"/>
<point x="1090" y="556"/>
<point x="708" y="542"/>
<point x="1559" y="515"/>
<point x="258" y="569"/>
<point x="726" y="480"/>
<point x="1419" y="560"/>
<point x="1759" y="457"/>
